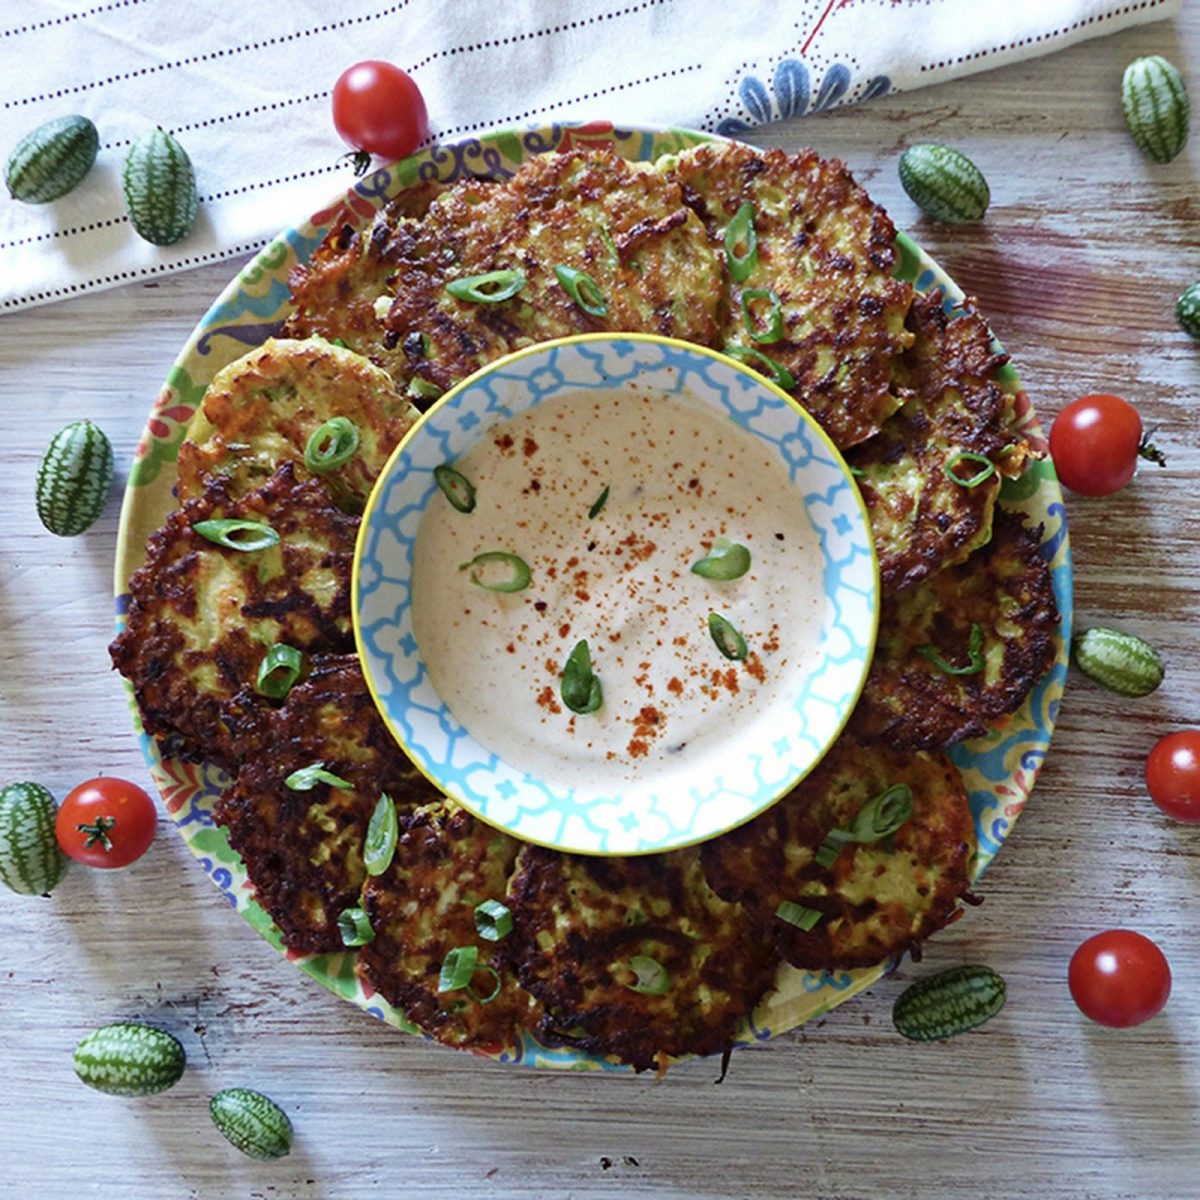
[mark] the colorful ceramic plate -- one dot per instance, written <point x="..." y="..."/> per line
<point x="721" y="780"/>
<point x="999" y="769"/>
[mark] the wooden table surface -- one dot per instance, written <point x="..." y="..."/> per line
<point x="1078" y="265"/>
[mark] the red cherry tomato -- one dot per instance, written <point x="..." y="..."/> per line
<point x="106" y="822"/>
<point x="378" y="108"/>
<point x="1095" y="443"/>
<point x="1173" y="775"/>
<point x="1119" y="978"/>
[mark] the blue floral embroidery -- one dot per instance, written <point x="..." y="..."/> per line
<point x="792" y="92"/>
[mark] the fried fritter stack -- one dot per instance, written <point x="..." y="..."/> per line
<point x="786" y="260"/>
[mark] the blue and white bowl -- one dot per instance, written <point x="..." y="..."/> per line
<point x="676" y="805"/>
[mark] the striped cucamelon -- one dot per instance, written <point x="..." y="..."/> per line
<point x="944" y="183"/>
<point x="1187" y="311"/>
<point x="1118" y="661"/>
<point x="74" y="478"/>
<point x="160" y="188"/>
<point x="51" y="160"/>
<point x="252" y="1122"/>
<point x="948" y="1003"/>
<point x="1155" y="101"/>
<point x="128" y="1059"/>
<point x="30" y="860"/>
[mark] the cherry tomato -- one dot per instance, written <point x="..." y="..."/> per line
<point x="378" y="108"/>
<point x="106" y="822"/>
<point x="1119" y="978"/>
<point x="1096" y="442"/>
<point x="1173" y="775"/>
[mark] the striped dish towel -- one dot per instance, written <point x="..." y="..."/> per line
<point x="245" y="88"/>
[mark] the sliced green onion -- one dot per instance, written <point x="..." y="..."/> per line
<point x="799" y="916"/>
<point x="278" y="671"/>
<point x="580" y="689"/>
<point x="227" y="531"/>
<point x="857" y="472"/>
<point x="727" y="638"/>
<point x="487" y="970"/>
<point x="741" y="230"/>
<point x="987" y="471"/>
<point x="774" y="325"/>
<point x="614" y="259"/>
<point x="457" y="968"/>
<point x="345" y="345"/>
<point x="513" y="576"/>
<point x="493" y="920"/>
<point x="355" y="927"/>
<point x="422" y="389"/>
<point x="457" y="488"/>
<point x="831" y="847"/>
<point x="600" y="501"/>
<point x="583" y="289"/>
<point x="307" y="778"/>
<point x="491" y="288"/>
<point x="726" y="560"/>
<point x="877" y="819"/>
<point x="383" y="830"/>
<point x="331" y="446"/>
<point x="777" y="372"/>
<point x="652" y="977"/>
<point x="974" y="654"/>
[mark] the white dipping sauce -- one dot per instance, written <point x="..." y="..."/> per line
<point x="679" y="477"/>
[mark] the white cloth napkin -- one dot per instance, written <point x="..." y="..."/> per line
<point x="245" y="87"/>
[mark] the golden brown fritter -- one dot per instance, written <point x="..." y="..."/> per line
<point x="303" y="849"/>
<point x="921" y="519"/>
<point x="201" y="617"/>
<point x="579" y="923"/>
<point x="826" y="251"/>
<point x="334" y="293"/>
<point x="625" y="227"/>
<point x="446" y="863"/>
<point x="877" y="899"/>
<point x="1004" y="591"/>
<point x="262" y="409"/>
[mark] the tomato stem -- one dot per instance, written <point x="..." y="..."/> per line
<point x="361" y="160"/>
<point x="1149" y="451"/>
<point x="98" y="832"/>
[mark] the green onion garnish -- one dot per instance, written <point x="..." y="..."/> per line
<point x="652" y="978"/>
<point x="382" y="832"/>
<point x="493" y="920"/>
<point x="487" y="970"/>
<point x="345" y="345"/>
<point x="726" y="560"/>
<point x="332" y="445"/>
<point x="278" y="671"/>
<point x="583" y="289"/>
<point x="614" y="259"/>
<point x="799" y="916"/>
<point x="876" y="820"/>
<point x="974" y="654"/>
<point x="508" y="572"/>
<point x="457" y="488"/>
<point x="779" y="375"/>
<point x="729" y="641"/>
<point x="422" y="389"/>
<point x="457" y="968"/>
<point x="580" y="689"/>
<point x="740" y="231"/>
<point x="227" y="532"/>
<point x="355" y="927"/>
<point x="988" y="468"/>
<point x="307" y="778"/>
<point x="490" y="288"/>
<point x="600" y="501"/>
<point x="857" y="472"/>
<point x="773" y="330"/>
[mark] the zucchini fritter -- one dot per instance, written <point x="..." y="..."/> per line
<point x="422" y="907"/>
<point x="1005" y="592"/>
<point x="303" y="849"/>
<point x="826" y="251"/>
<point x="579" y="922"/>
<point x="626" y="227"/>
<point x="262" y="409"/>
<point x="334" y="293"/>
<point x="921" y="519"/>
<point x="877" y="899"/>
<point x="201" y="617"/>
